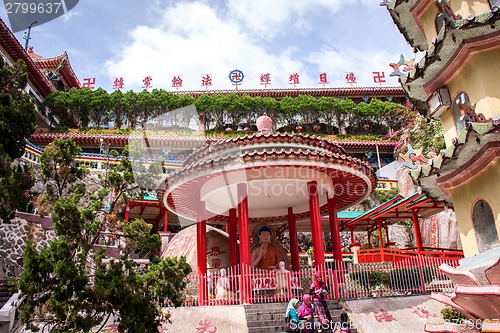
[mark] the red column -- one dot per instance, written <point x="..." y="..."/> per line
<point x="416" y="228"/>
<point x="294" y="240"/>
<point x="369" y="239"/>
<point x="316" y="228"/>
<point x="335" y="230"/>
<point x="201" y="236"/>
<point x="165" y="219"/>
<point x="245" y="260"/>
<point x="233" y="242"/>
<point x="380" y="238"/>
<point x="352" y="234"/>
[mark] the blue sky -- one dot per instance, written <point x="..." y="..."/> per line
<point x="134" y="39"/>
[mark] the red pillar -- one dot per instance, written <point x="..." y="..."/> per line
<point x="233" y="242"/>
<point x="369" y="239"/>
<point x="316" y="228"/>
<point x="416" y="228"/>
<point x="201" y="236"/>
<point x="380" y="240"/>
<point x="352" y="234"/>
<point x="335" y="230"/>
<point x="245" y="260"/>
<point x="165" y="219"/>
<point x="294" y="240"/>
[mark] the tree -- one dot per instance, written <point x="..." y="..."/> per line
<point x="17" y="122"/>
<point x="71" y="285"/>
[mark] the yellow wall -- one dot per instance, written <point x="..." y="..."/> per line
<point x="469" y="7"/>
<point x="429" y="23"/>
<point x="464" y="8"/>
<point x="464" y="196"/>
<point x="481" y="84"/>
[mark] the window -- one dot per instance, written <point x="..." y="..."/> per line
<point x="460" y="98"/>
<point x="484" y="225"/>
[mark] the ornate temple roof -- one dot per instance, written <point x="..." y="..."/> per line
<point x="268" y="164"/>
<point x="54" y="64"/>
<point x="449" y="51"/>
<point x="12" y="47"/>
<point x="477" y="145"/>
<point x="121" y="140"/>
<point x="348" y="92"/>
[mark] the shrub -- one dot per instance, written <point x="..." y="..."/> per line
<point x="452" y="315"/>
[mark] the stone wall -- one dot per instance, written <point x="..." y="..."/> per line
<point x="14" y="236"/>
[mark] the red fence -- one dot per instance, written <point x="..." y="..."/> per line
<point x="412" y="275"/>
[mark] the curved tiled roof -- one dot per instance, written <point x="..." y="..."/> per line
<point x="348" y="92"/>
<point x="449" y="51"/>
<point x="11" y="45"/>
<point x="52" y="63"/>
<point x="121" y="140"/>
<point x="465" y="157"/>
<point x="267" y="157"/>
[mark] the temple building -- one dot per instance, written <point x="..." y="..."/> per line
<point x="44" y="76"/>
<point x="457" y="82"/>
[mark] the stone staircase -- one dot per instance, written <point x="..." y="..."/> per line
<point x="5" y="292"/>
<point x="270" y="317"/>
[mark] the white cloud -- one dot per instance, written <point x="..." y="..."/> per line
<point x="270" y="18"/>
<point x="194" y="39"/>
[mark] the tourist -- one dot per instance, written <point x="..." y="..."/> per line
<point x="291" y="317"/>
<point x="345" y="325"/>
<point x="266" y="255"/>
<point x="318" y="292"/>
<point x="306" y="314"/>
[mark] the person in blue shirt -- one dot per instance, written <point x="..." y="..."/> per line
<point x="291" y="316"/>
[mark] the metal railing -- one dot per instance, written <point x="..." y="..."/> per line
<point x="415" y="275"/>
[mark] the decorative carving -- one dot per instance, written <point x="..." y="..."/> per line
<point x="468" y="113"/>
<point x="408" y="66"/>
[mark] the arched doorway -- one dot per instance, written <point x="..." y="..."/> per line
<point x="484" y="225"/>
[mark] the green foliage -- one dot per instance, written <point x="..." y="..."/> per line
<point x="17" y="122"/>
<point x="217" y="112"/>
<point x="370" y="279"/>
<point x="379" y="278"/>
<point x="422" y="133"/>
<point x="452" y="315"/>
<point x="71" y="285"/>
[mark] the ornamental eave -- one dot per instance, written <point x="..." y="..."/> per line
<point x="448" y="55"/>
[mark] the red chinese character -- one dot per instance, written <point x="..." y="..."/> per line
<point x="383" y="316"/>
<point x="422" y="312"/>
<point x="378" y="77"/>
<point x="323" y="79"/>
<point x="265" y="79"/>
<point x="89" y="82"/>
<point x="215" y="251"/>
<point x="350" y="78"/>
<point x="177" y="81"/>
<point x="204" y="327"/>
<point x="216" y="263"/>
<point x="236" y="76"/>
<point x="147" y="82"/>
<point x="118" y="83"/>
<point x="206" y="80"/>
<point x="294" y="79"/>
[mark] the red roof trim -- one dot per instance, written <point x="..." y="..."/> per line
<point x="11" y="45"/>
